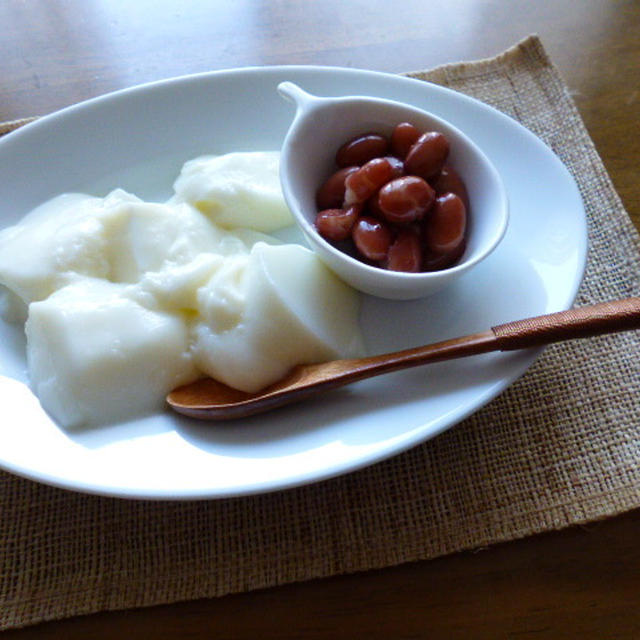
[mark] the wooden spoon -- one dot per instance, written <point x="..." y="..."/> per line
<point x="208" y="399"/>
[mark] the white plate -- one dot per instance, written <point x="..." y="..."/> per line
<point x="137" y="139"/>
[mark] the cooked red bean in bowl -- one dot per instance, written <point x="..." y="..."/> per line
<point x="394" y="202"/>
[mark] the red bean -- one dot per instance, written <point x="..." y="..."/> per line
<point x="371" y="205"/>
<point x="360" y="150"/>
<point x="439" y="261"/>
<point x="405" y="254"/>
<point x="405" y="199"/>
<point x="331" y="194"/>
<point x="403" y="136"/>
<point x="445" y="228"/>
<point x="363" y="183"/>
<point x="372" y="238"/>
<point x="449" y="181"/>
<point x="427" y="155"/>
<point x="336" y="224"/>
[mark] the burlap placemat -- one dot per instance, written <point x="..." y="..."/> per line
<point x="560" y="447"/>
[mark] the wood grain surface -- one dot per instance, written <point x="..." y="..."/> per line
<point x="581" y="582"/>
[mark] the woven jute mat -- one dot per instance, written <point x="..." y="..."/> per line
<point x="560" y="447"/>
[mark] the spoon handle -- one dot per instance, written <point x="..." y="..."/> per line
<point x="583" y="322"/>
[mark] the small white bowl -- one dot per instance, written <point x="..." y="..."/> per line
<point x="322" y="125"/>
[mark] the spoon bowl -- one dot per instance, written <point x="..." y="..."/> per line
<point x="321" y="125"/>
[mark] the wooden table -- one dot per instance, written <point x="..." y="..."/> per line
<point x="582" y="582"/>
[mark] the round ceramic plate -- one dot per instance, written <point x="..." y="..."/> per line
<point x="138" y="139"/>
